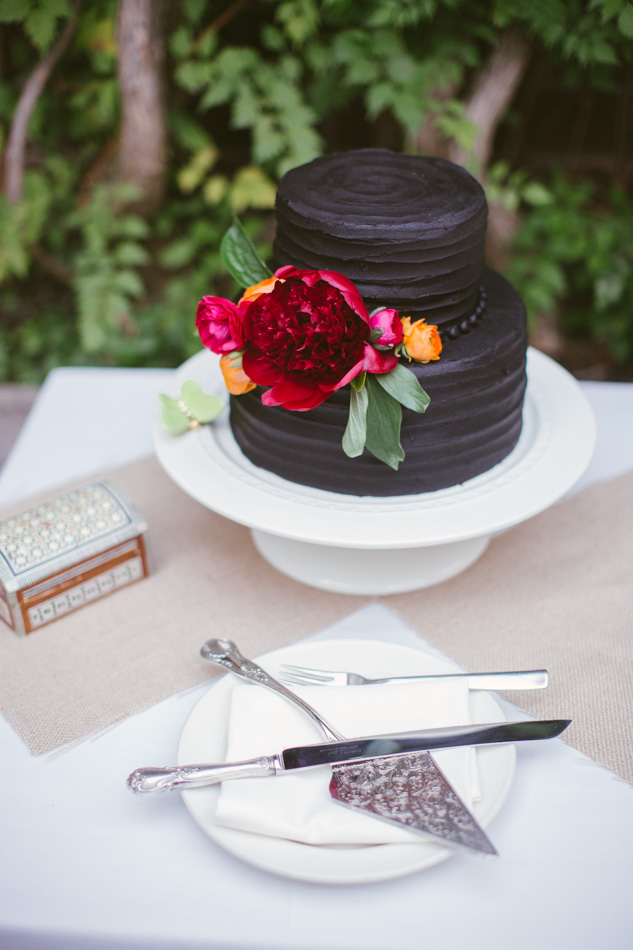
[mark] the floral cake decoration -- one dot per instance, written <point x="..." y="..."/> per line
<point x="303" y="334"/>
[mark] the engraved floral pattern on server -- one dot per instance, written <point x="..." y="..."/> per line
<point x="410" y="790"/>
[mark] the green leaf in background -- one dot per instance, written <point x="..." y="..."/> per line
<point x="356" y="429"/>
<point x="404" y="386"/>
<point x="294" y="81"/>
<point x="251" y="188"/>
<point x="384" y="417"/>
<point x="625" y="21"/>
<point x="13" y="10"/>
<point x="535" y="193"/>
<point x="241" y="258"/>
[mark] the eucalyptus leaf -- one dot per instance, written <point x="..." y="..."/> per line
<point x="172" y="418"/>
<point x="194" y="408"/>
<point x="384" y="417"/>
<point x="403" y="385"/>
<point x="356" y="429"/>
<point x="241" y="258"/>
<point x="203" y="406"/>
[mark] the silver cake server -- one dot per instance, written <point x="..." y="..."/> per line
<point x="408" y="790"/>
<point x="226" y="653"/>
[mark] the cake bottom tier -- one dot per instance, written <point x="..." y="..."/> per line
<point x="472" y="423"/>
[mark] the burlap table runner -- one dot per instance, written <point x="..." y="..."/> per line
<point x="555" y="592"/>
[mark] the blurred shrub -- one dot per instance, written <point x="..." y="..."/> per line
<point x="574" y="252"/>
<point x="253" y="89"/>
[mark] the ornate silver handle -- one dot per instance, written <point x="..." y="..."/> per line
<point x="195" y="776"/>
<point x="225" y="653"/>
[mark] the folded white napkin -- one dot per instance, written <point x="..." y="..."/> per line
<point x="297" y="805"/>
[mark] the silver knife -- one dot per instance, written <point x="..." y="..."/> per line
<point x="153" y="779"/>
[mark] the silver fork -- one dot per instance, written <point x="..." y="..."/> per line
<point x="225" y="652"/>
<point x="515" y="679"/>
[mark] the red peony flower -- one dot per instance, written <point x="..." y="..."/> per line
<point x="306" y="337"/>
<point x="219" y="325"/>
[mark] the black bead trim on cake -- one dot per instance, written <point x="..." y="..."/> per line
<point x="465" y="326"/>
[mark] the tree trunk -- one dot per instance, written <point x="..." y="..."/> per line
<point x="428" y="141"/>
<point x="142" y="159"/>
<point x="486" y="105"/>
<point x="492" y="93"/>
<point x="16" y="142"/>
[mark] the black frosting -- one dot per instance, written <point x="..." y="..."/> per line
<point x="409" y="232"/>
<point x="472" y="423"/>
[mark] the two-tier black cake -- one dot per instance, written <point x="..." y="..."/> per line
<point x="409" y="232"/>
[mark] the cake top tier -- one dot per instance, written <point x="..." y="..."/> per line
<point x="354" y="192"/>
<point x="408" y="229"/>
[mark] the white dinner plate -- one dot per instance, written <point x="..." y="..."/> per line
<point x="203" y="739"/>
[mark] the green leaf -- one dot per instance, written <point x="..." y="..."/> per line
<point x="131" y="226"/>
<point x="128" y="282"/>
<point x="356" y="429"/>
<point x="402" y="385"/>
<point x="625" y="21"/>
<point x="251" y="188"/>
<point x="40" y="28"/>
<point x="194" y="408"/>
<point x="131" y="254"/>
<point x="203" y="407"/>
<point x="536" y="194"/>
<point x="13" y="10"/>
<point x="241" y="258"/>
<point x="359" y="381"/>
<point x="178" y="253"/>
<point x="215" y="189"/>
<point x="384" y="417"/>
<point x="172" y="418"/>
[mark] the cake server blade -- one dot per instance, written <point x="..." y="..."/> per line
<point x="410" y="790"/>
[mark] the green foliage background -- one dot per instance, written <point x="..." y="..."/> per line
<point x="85" y="280"/>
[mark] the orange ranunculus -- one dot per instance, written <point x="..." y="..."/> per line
<point x="263" y="287"/>
<point x="421" y="342"/>
<point x="235" y="379"/>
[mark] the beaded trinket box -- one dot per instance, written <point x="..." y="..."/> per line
<point x="68" y="552"/>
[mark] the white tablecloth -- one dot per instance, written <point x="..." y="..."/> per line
<point x="84" y="864"/>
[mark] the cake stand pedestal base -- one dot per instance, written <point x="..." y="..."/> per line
<point x="377" y="571"/>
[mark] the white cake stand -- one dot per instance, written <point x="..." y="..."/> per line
<point x="374" y="546"/>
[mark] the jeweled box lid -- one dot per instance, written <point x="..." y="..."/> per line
<point x="50" y="537"/>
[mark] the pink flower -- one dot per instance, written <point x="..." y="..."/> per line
<point x="218" y="323"/>
<point x="388" y="322"/>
